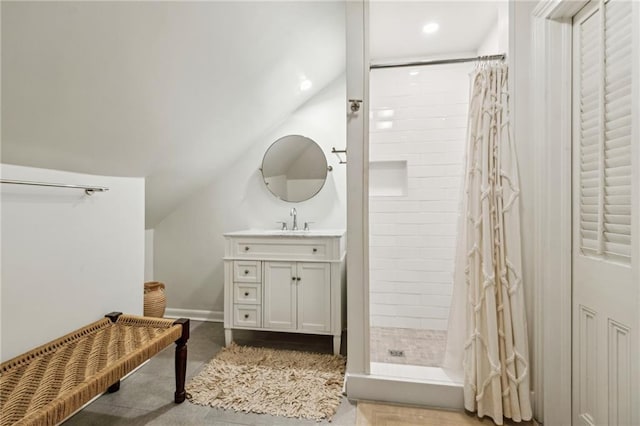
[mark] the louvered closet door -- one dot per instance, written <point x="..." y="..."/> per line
<point x="606" y="284"/>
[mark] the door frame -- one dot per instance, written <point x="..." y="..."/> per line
<point x="552" y="111"/>
<point x="357" y="35"/>
<point x="360" y="384"/>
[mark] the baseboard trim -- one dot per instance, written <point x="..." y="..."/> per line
<point x="195" y="314"/>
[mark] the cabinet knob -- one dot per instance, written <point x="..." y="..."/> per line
<point x="293" y="278"/>
<point x="298" y="278"/>
<point x="246" y="293"/>
<point x="246" y="248"/>
<point x="315" y="250"/>
<point x="246" y="316"/>
<point x="246" y="271"/>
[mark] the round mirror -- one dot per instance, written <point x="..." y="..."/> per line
<point x="294" y="168"/>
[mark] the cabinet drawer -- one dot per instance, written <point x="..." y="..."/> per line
<point x="247" y="316"/>
<point x="247" y="293"/>
<point x="246" y="271"/>
<point x="299" y="249"/>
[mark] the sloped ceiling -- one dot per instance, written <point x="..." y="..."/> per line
<point x="171" y="91"/>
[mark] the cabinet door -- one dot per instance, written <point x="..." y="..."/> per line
<point x="314" y="297"/>
<point x="280" y="295"/>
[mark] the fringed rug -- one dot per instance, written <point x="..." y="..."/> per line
<point x="270" y="381"/>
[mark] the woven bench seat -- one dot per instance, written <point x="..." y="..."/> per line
<point x="48" y="384"/>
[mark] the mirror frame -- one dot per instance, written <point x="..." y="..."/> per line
<point x="326" y="162"/>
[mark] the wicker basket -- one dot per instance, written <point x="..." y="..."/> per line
<point x="155" y="300"/>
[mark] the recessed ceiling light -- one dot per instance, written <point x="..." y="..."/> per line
<point x="305" y="85"/>
<point x="430" y="28"/>
<point x="414" y="72"/>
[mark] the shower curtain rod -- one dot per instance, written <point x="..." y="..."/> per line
<point x="499" y="57"/>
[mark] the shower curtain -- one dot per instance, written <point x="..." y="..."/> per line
<point x="487" y="324"/>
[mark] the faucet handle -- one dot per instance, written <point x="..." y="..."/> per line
<point x="284" y="225"/>
<point x="306" y="225"/>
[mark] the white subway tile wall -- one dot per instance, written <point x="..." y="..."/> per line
<point x="422" y="119"/>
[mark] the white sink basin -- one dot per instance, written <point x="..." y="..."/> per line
<point x="287" y="233"/>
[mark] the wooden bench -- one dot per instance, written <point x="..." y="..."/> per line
<point x="48" y="384"/>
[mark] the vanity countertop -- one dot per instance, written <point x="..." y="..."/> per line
<point x="314" y="233"/>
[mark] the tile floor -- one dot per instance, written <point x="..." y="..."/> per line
<point x="146" y="397"/>
<point x="421" y="347"/>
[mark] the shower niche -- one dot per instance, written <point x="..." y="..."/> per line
<point x="388" y="178"/>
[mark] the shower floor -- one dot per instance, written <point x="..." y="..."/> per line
<point x="419" y="347"/>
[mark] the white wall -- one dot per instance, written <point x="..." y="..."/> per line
<point x="497" y="40"/>
<point x="412" y="237"/>
<point x="67" y="258"/>
<point x="188" y="243"/>
<point x="157" y="88"/>
<point x="520" y="48"/>
<point x="148" y="255"/>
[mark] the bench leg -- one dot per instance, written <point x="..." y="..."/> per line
<point x="114" y="387"/>
<point x="181" y="360"/>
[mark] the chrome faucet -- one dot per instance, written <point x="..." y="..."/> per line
<point x="294" y="214"/>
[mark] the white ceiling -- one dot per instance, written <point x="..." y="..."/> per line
<point x="396" y="27"/>
<point x="173" y="91"/>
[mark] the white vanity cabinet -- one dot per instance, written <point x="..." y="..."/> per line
<point x="297" y="296"/>
<point x="285" y="281"/>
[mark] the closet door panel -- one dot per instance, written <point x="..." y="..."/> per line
<point x="606" y="289"/>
